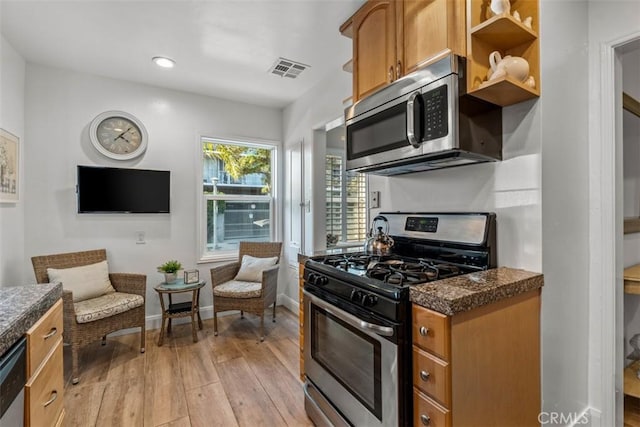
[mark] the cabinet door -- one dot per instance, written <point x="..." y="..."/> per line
<point x="429" y="27"/>
<point x="374" y="47"/>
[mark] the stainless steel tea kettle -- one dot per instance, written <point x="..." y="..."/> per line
<point x="378" y="242"/>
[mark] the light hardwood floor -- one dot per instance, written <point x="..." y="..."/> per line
<point x="228" y="380"/>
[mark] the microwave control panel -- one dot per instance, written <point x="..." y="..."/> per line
<point x="436" y="113"/>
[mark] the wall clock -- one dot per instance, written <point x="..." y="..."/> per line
<point x="118" y="135"/>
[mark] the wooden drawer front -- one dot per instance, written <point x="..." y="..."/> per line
<point x="42" y="336"/>
<point x="44" y="392"/>
<point x="427" y="413"/>
<point x="432" y="376"/>
<point x="431" y="331"/>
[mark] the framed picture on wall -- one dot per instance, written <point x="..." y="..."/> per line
<point x="9" y="162"/>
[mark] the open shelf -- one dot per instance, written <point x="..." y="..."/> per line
<point x="631" y="380"/>
<point x="504" y="91"/>
<point x="503" y="32"/>
<point x="509" y="37"/>
<point x="632" y="280"/>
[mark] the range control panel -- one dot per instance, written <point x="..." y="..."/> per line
<point x="422" y="224"/>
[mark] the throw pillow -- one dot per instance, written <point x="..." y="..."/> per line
<point x="87" y="281"/>
<point x="251" y="268"/>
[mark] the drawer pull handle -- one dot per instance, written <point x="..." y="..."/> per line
<point x="425" y="420"/>
<point x="424" y="376"/>
<point x="51" y="333"/>
<point x="54" y="396"/>
<point x="424" y="331"/>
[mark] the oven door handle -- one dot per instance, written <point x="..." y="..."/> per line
<point x="384" y="331"/>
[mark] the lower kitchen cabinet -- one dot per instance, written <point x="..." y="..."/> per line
<point x="44" y="391"/>
<point x="478" y="367"/>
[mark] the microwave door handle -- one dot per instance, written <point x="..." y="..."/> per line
<point x="411" y="126"/>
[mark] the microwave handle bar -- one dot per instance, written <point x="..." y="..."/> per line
<point x="411" y="136"/>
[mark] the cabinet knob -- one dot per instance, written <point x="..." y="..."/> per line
<point x="391" y="74"/>
<point x="399" y="69"/>
<point x="425" y="420"/>
<point x="424" y="331"/>
<point x="424" y="375"/>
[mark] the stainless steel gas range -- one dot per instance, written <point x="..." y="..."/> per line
<point x="357" y="315"/>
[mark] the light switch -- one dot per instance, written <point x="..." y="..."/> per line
<point x="374" y="199"/>
<point x="140" y="238"/>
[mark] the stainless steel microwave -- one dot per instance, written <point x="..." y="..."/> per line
<point x="423" y="121"/>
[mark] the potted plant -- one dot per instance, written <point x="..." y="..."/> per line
<point x="170" y="268"/>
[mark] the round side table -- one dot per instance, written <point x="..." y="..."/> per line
<point x="180" y="309"/>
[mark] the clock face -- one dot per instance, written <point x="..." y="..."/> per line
<point x="118" y="135"/>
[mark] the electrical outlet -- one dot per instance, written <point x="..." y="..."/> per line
<point x="140" y="238"/>
<point x="374" y="199"/>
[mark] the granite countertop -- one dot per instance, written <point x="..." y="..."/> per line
<point x="21" y="307"/>
<point x="468" y="291"/>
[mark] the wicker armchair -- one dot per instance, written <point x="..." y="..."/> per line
<point x="244" y="301"/>
<point x="79" y="334"/>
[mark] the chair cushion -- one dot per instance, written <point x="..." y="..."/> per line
<point x="251" y="268"/>
<point x="238" y="289"/>
<point x="105" y="306"/>
<point x="87" y="281"/>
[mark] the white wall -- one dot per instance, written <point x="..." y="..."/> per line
<point x="565" y="194"/>
<point x="59" y="107"/>
<point x="12" y="84"/>
<point x="315" y="108"/>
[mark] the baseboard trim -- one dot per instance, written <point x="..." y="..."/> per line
<point x="154" y="321"/>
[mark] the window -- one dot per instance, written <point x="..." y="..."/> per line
<point x="237" y="194"/>
<point x="346" y="202"/>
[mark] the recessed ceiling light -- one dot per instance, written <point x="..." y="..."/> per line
<point x="163" y="62"/>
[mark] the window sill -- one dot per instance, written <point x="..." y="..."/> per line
<point x="217" y="258"/>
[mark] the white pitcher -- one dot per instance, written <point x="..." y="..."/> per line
<point x="512" y="66"/>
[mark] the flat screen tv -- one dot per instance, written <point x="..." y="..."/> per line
<point x="119" y="190"/>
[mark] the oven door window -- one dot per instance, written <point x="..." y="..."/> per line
<point x="350" y="356"/>
<point x="381" y="132"/>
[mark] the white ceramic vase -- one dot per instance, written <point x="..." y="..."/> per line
<point x="170" y="277"/>
<point x="500" y="7"/>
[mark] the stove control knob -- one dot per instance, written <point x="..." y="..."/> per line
<point x="322" y="280"/>
<point x="356" y="295"/>
<point x="312" y="278"/>
<point x="369" y="300"/>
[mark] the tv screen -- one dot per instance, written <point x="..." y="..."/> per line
<point x="117" y="190"/>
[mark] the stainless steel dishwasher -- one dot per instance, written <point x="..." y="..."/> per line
<point x="13" y="376"/>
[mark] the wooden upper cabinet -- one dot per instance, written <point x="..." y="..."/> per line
<point x="374" y="50"/>
<point x="427" y="27"/>
<point x="392" y="38"/>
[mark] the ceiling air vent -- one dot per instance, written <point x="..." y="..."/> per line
<point x="287" y="68"/>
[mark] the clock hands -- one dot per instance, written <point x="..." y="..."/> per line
<point x="120" y="136"/>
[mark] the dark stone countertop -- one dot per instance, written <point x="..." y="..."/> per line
<point x="469" y="291"/>
<point x="21" y="307"/>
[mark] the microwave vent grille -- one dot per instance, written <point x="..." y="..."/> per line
<point x="287" y="68"/>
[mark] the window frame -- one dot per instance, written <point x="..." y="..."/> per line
<point x="203" y="255"/>
<point x="343" y="195"/>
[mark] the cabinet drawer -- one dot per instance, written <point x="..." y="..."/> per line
<point x="426" y="412"/>
<point x="432" y="376"/>
<point x="44" y="392"/>
<point x="42" y="336"/>
<point x="431" y="331"/>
